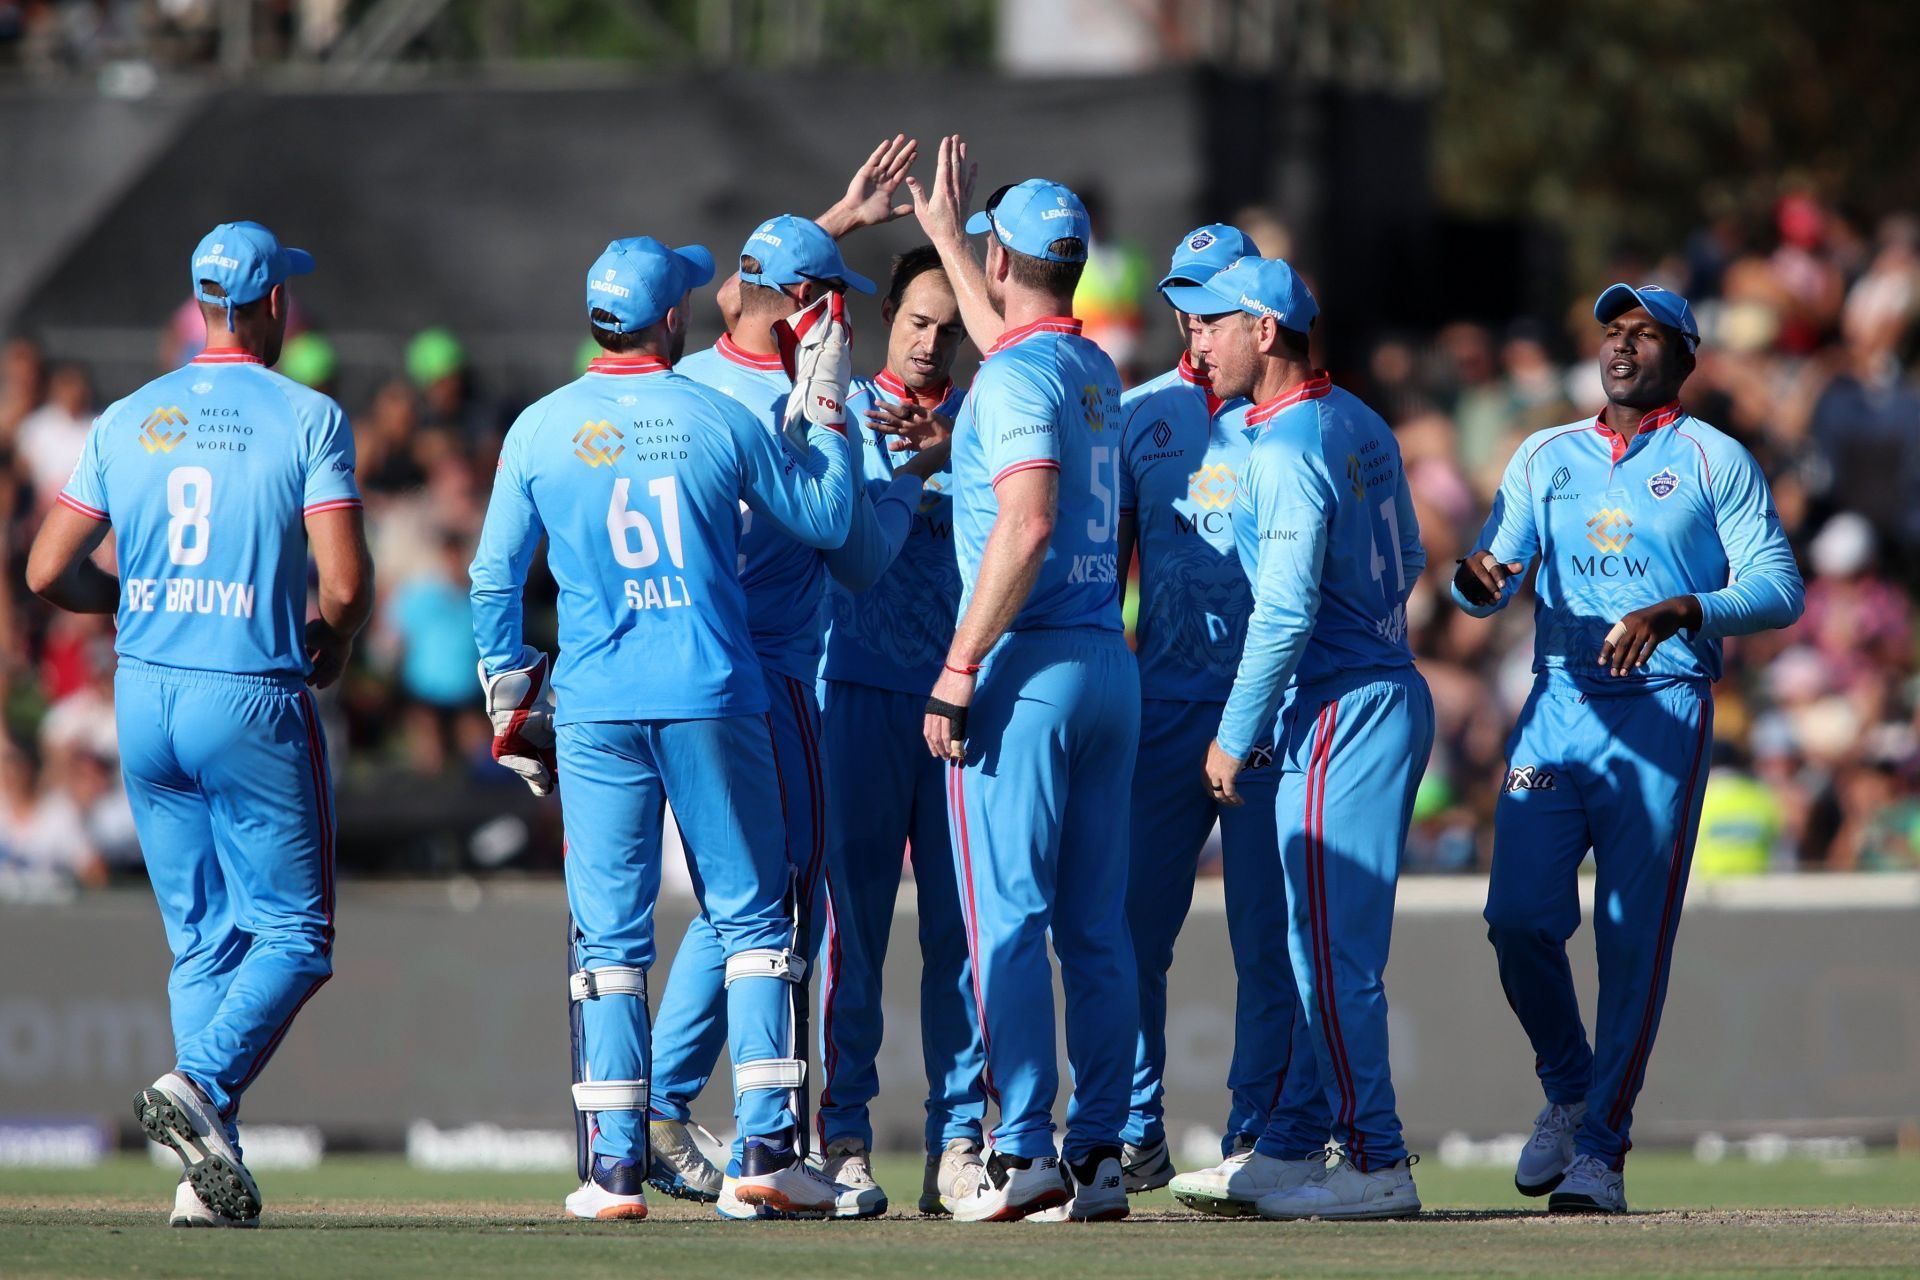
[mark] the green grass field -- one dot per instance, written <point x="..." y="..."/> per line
<point x="375" y="1216"/>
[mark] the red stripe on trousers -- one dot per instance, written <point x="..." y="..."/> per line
<point x="323" y="812"/>
<point x="957" y="797"/>
<point x="1321" y="918"/>
<point x="1663" y="948"/>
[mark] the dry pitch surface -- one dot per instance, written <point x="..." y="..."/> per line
<point x="373" y="1216"/>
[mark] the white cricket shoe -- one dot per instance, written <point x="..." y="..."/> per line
<point x="679" y="1167"/>
<point x="1101" y="1197"/>
<point x="173" y="1113"/>
<point x="847" y="1163"/>
<point x="189" y="1212"/>
<point x="1146" y="1168"/>
<point x="779" y="1184"/>
<point x="1589" y="1187"/>
<point x="613" y="1191"/>
<point x="952" y="1174"/>
<point x="1233" y="1187"/>
<point x="1343" y="1191"/>
<point x="1012" y="1188"/>
<point x="729" y="1205"/>
<point x="1543" y="1161"/>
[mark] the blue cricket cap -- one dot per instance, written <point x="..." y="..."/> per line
<point x="792" y="249"/>
<point x="638" y="280"/>
<point x="1257" y="286"/>
<point x="1669" y="308"/>
<point x="1204" y="253"/>
<point x="1029" y="216"/>
<point x="246" y="260"/>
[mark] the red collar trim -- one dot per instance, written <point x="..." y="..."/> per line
<point x="1314" y="388"/>
<point x="1664" y="416"/>
<point x="1046" y="324"/>
<point x="627" y="364"/>
<point x="731" y="350"/>
<point x="227" y="355"/>
<point x="901" y="392"/>
<point x="1194" y="377"/>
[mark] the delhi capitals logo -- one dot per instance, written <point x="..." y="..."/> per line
<point x="1161" y="434"/>
<point x="1200" y="241"/>
<point x="1663" y="485"/>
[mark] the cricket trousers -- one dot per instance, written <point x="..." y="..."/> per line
<point x="1353" y="751"/>
<point x="1271" y="1081"/>
<point x="691" y="1028"/>
<point x="615" y="779"/>
<point x="886" y="795"/>
<point x="233" y="803"/>
<point x="1622" y="775"/>
<point x="1038" y="813"/>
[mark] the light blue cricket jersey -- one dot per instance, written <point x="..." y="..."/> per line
<point x="1046" y="397"/>
<point x="1182" y="453"/>
<point x="207" y="475"/>
<point x="1327" y="532"/>
<point x="784" y="579"/>
<point x="635" y="475"/>
<point x="895" y="633"/>
<point x="1682" y="509"/>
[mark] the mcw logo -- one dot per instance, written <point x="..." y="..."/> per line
<point x="1212" y="486"/>
<point x="154" y="437"/>
<point x="589" y="449"/>
<point x="1609" y="530"/>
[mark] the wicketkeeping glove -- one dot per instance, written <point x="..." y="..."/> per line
<point x="816" y="348"/>
<point x="520" y="704"/>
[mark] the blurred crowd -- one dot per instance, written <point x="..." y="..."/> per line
<point x="47" y="37"/>
<point x="1810" y="322"/>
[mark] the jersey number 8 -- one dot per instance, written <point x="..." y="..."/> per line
<point x="189" y="502"/>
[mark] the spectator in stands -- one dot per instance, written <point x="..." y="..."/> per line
<point x="51" y="437"/>
<point x="43" y="834"/>
<point x="429" y="625"/>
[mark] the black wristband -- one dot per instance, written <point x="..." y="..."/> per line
<point x="956" y="716"/>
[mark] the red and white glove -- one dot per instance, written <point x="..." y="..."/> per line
<point x="816" y="349"/>
<point x="520" y="704"/>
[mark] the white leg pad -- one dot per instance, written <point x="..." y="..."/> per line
<point x="769" y="1073"/>
<point x="766" y="962"/>
<point x="615" y="980"/>
<point x="611" y="1095"/>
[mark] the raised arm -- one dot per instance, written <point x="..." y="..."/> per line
<point x="868" y="202"/>
<point x="942" y="212"/>
<point x="809" y="495"/>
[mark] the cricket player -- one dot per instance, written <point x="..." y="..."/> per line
<point x="885" y="640"/>
<point x="1037" y="704"/>
<point x="787" y="265"/>
<point x="634" y="475"/>
<point x="1183" y="451"/>
<point x="1326" y="528"/>
<point x="1657" y="538"/>
<point x="218" y="480"/>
